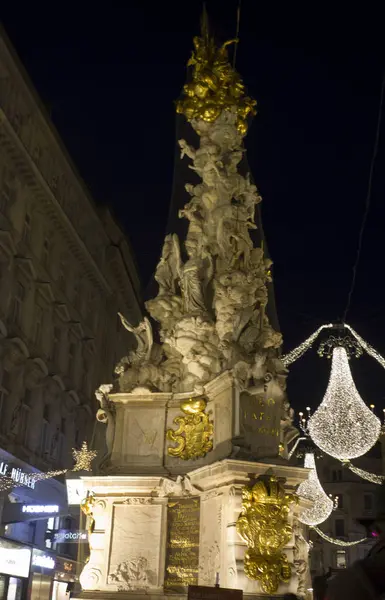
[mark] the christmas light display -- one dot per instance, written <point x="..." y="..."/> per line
<point x="297" y="352"/>
<point x="83" y="459"/>
<point x="372" y="477"/>
<point x="338" y="542"/>
<point x="343" y="426"/>
<point x="311" y="489"/>
<point x="367" y="347"/>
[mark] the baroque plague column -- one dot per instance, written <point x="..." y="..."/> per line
<point x="195" y="486"/>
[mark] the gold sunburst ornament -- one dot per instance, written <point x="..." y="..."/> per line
<point x="215" y="85"/>
<point x="83" y="458"/>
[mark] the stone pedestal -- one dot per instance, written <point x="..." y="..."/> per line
<point x="243" y="424"/>
<point x="154" y="535"/>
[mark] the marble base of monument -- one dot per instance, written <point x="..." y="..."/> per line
<point x="154" y="536"/>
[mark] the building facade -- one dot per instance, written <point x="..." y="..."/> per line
<point x="65" y="272"/>
<point x="356" y="501"/>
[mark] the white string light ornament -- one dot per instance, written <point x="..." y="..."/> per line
<point x="372" y="477"/>
<point x="336" y="541"/>
<point x="343" y="426"/>
<point x="297" y="352"/>
<point x="367" y="347"/>
<point x="83" y="459"/>
<point x="311" y="489"/>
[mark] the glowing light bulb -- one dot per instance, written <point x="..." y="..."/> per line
<point x="312" y="490"/>
<point x="343" y="426"/>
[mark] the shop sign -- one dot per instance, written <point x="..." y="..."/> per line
<point x="40" y="509"/>
<point x="68" y="536"/>
<point x="66" y="565"/>
<point x="42" y="560"/>
<point x="65" y="569"/>
<point x="14" y="560"/>
<point x="17" y="475"/>
<point x="17" y="512"/>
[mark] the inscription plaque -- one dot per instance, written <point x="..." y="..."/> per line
<point x="182" y="555"/>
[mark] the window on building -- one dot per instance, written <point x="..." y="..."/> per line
<point x="3" y="402"/>
<point x="62" y="275"/>
<point x="339" y="527"/>
<point x="25" y="416"/>
<point x="18" y="300"/>
<point x="56" y="336"/>
<point x="32" y="532"/>
<point x="46" y="412"/>
<point x="75" y="294"/>
<point x="71" y="357"/>
<point x="341" y="559"/>
<point x="7" y="190"/>
<point x="54" y="445"/>
<point x="38" y="323"/>
<point x="28" y="397"/>
<point x="368" y="502"/>
<point x="45" y="257"/>
<point x="77" y="437"/>
<point x="337" y="475"/>
<point x="27" y="229"/>
<point x="56" y="344"/>
<point x="60" y="453"/>
<point x="5" y="389"/>
<point x="45" y="436"/>
<point x="52" y="526"/>
<point x="340" y="500"/>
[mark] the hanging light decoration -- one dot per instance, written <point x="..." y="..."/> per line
<point x="311" y="489"/>
<point x="338" y="542"/>
<point x="343" y="426"/>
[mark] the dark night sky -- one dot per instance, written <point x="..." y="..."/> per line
<point x="110" y="76"/>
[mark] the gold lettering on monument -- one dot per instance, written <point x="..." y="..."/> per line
<point x="182" y="554"/>
<point x="267" y="415"/>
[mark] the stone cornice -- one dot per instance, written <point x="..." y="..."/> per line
<point x="229" y="471"/>
<point x="36" y="182"/>
<point x="117" y="485"/>
<point x="26" y="116"/>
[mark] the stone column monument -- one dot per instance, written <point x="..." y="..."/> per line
<point x="195" y="487"/>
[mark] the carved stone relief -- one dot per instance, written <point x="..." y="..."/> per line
<point x="135" y="546"/>
<point x="210" y="539"/>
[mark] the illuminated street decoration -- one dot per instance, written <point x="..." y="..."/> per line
<point x="372" y="477"/>
<point x="300" y="350"/>
<point x="337" y="542"/>
<point x="311" y="489"/>
<point x="83" y="458"/>
<point x="343" y="426"/>
<point x="15" y="474"/>
<point x="17" y="478"/>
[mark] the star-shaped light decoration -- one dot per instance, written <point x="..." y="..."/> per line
<point x="83" y="458"/>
